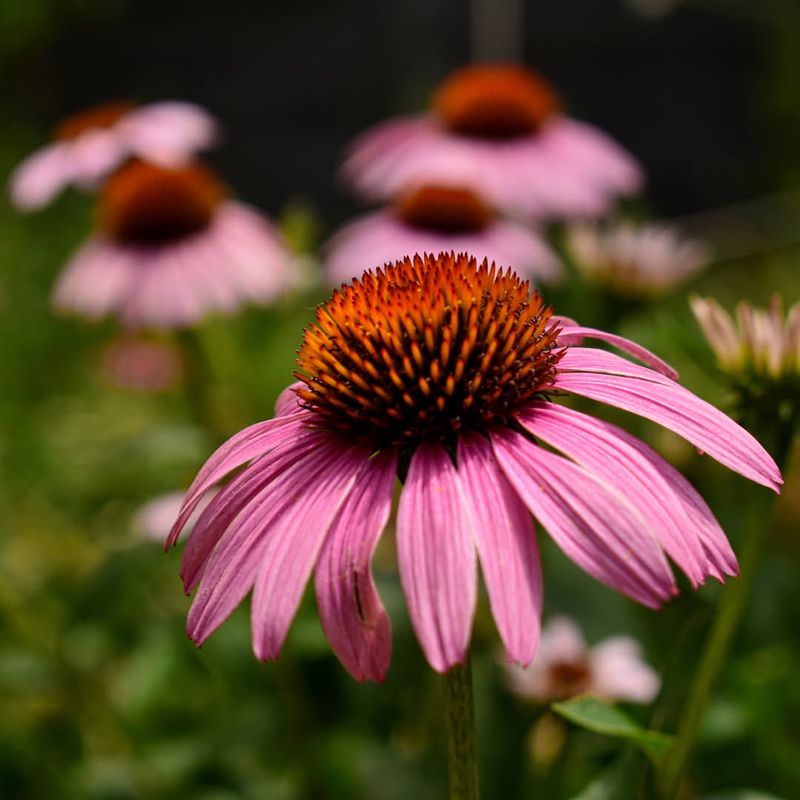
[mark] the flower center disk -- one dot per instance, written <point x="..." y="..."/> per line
<point x="97" y="117"/>
<point x="144" y="204"/>
<point x="495" y="101"/>
<point x="424" y="349"/>
<point x="443" y="209"/>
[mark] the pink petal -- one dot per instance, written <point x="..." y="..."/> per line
<point x="40" y="177"/>
<point x="436" y="556"/>
<point x="246" y="445"/>
<point x="505" y="538"/>
<point x="590" y="359"/>
<point x="287" y="402"/>
<point x="588" y="519"/>
<point x="292" y="545"/>
<point x="645" y="479"/>
<point x="574" y="335"/>
<point x="675" y="408"/>
<point x="351" y="612"/>
<point x="620" y="673"/>
<point x="230" y="501"/>
<point x="239" y="556"/>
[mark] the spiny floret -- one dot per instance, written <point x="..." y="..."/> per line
<point x="425" y="348"/>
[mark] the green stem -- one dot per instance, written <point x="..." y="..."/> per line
<point x="220" y="387"/>
<point x="723" y="629"/>
<point x="460" y="714"/>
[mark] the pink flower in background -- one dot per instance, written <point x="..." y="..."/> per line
<point x="500" y="131"/>
<point x="760" y="342"/>
<point x="432" y="219"/>
<point x="565" y="666"/>
<point x="142" y="365"/>
<point x="91" y="144"/>
<point x="446" y="373"/>
<point x="632" y="260"/>
<point x="171" y="249"/>
<point x="155" y="518"/>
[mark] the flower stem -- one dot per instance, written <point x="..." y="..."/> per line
<point x="718" y="644"/>
<point x="460" y="714"/>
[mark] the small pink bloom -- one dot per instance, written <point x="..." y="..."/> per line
<point x="565" y="666"/>
<point x="761" y="342"/>
<point x="432" y="219"/>
<point x="90" y="145"/>
<point x="499" y="131"/>
<point x="142" y="364"/>
<point x="171" y="249"/>
<point x="448" y="373"/>
<point x="156" y="517"/>
<point x="635" y="260"/>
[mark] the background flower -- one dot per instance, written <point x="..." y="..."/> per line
<point x="565" y="666"/>
<point x="91" y="144"/>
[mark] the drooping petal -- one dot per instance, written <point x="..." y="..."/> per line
<point x="505" y="538"/>
<point x="589" y="520"/>
<point x="228" y="503"/>
<point x="574" y="335"/>
<point x="351" y="612"/>
<point x="644" y="478"/>
<point x="40" y="177"/>
<point x="436" y="556"/>
<point x="619" y="672"/>
<point x="246" y="445"/>
<point x="238" y="557"/>
<point x="292" y="545"/>
<point x="676" y="408"/>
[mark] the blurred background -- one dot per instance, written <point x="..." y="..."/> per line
<point x="103" y="696"/>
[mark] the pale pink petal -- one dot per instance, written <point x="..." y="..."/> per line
<point x="644" y="479"/>
<point x="574" y="335"/>
<point x="381" y="237"/>
<point x="436" y="556"/>
<point x="167" y="133"/>
<point x="589" y="520"/>
<point x="505" y="538"/>
<point x="253" y="441"/>
<point x="96" y="280"/>
<point x="351" y="612"/>
<point x="40" y="177"/>
<point x="620" y="673"/>
<point x="292" y="545"/>
<point x="675" y="408"/>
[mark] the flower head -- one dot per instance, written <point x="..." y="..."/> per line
<point x="445" y="372"/>
<point x="498" y="130"/>
<point x="434" y="218"/>
<point x="171" y="247"/>
<point x="762" y="342"/>
<point x="635" y="261"/>
<point x="89" y="145"/>
<point x="565" y="666"/>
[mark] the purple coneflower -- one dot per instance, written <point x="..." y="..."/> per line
<point x="762" y="343"/>
<point x="565" y="666"/>
<point x="432" y="219"/>
<point x="445" y="372"/>
<point x="498" y="130"/>
<point x="636" y="261"/>
<point x="172" y="248"/>
<point x="91" y="144"/>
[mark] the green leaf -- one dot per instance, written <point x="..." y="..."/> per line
<point x="600" y="717"/>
